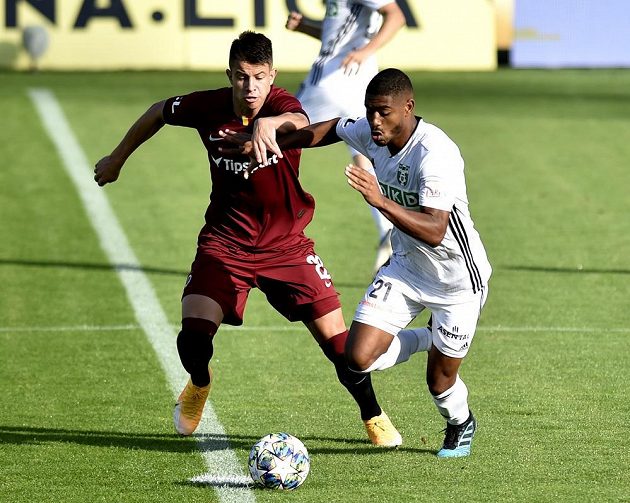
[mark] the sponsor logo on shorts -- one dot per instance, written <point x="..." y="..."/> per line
<point x="453" y="333"/>
<point x="188" y="280"/>
<point x="373" y="305"/>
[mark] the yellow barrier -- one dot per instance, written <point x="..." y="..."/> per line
<point x="196" y="34"/>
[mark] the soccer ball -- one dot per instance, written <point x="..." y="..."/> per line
<point x="279" y="461"/>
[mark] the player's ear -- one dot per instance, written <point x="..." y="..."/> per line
<point x="410" y="105"/>
<point x="272" y="75"/>
<point x="228" y="72"/>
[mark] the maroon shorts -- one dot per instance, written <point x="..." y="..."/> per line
<point x="294" y="280"/>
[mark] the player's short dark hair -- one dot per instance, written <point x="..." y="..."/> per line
<point x="251" y="47"/>
<point x="389" y="82"/>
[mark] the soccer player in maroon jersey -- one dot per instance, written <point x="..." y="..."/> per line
<point x="253" y="235"/>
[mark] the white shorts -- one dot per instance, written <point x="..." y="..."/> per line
<point x="391" y="303"/>
<point x="324" y="103"/>
<point x="345" y="99"/>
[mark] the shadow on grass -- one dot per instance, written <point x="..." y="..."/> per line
<point x="21" y="435"/>
<point x="175" y="272"/>
<point x="121" y="267"/>
<point x="233" y="482"/>
<point x="92" y="266"/>
<point x="570" y="270"/>
<point x="146" y="441"/>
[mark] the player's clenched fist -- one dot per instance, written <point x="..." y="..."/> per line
<point x="107" y="170"/>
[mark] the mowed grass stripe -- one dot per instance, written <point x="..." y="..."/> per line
<point x="212" y="440"/>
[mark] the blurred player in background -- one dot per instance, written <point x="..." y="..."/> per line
<point x="351" y="33"/>
<point x="253" y="235"/>
<point x="439" y="262"/>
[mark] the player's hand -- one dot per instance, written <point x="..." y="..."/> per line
<point x="242" y="143"/>
<point x="264" y="140"/>
<point x="293" y="21"/>
<point x="107" y="170"/>
<point x="364" y="182"/>
<point x="353" y="61"/>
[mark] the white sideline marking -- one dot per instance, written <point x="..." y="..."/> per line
<point x="220" y="459"/>
<point x="289" y="328"/>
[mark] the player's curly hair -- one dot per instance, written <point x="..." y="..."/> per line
<point x="389" y="82"/>
<point x="251" y="47"/>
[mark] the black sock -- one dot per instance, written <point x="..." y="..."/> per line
<point x="194" y="345"/>
<point x="358" y="384"/>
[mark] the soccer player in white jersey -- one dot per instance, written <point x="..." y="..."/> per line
<point x="351" y="33"/>
<point x="439" y="262"/>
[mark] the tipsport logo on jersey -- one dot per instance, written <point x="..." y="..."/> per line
<point x="238" y="167"/>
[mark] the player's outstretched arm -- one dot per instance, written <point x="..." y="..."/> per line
<point x="296" y="22"/>
<point x="108" y="168"/>
<point x="393" y="20"/>
<point x="265" y="131"/>
<point x="315" y="135"/>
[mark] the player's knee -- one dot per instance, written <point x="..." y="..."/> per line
<point x="360" y="359"/>
<point x="194" y="344"/>
<point x="442" y="371"/>
<point x="333" y="348"/>
<point x="438" y="382"/>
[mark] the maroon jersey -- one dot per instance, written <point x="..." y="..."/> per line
<point x="270" y="209"/>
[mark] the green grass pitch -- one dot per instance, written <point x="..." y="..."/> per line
<point x="85" y="411"/>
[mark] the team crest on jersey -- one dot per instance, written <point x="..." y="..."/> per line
<point x="403" y="174"/>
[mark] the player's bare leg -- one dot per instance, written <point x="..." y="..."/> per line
<point x="450" y="395"/>
<point x="201" y="317"/>
<point x="331" y="334"/>
<point x="370" y="348"/>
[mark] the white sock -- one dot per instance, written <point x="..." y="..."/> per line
<point x="453" y="403"/>
<point x="406" y="343"/>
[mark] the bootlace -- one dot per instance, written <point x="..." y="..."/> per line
<point x="451" y="439"/>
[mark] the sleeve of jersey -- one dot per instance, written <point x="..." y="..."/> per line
<point x="283" y="102"/>
<point x="185" y="110"/>
<point x="355" y="132"/>
<point x="436" y="189"/>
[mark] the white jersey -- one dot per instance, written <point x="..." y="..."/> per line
<point x="428" y="171"/>
<point x="347" y="26"/>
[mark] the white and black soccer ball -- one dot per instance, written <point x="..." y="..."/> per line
<point x="279" y="461"/>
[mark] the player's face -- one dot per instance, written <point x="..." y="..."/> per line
<point x="251" y="84"/>
<point x="387" y="116"/>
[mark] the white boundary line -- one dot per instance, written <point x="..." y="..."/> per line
<point x="289" y="328"/>
<point x="221" y="461"/>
